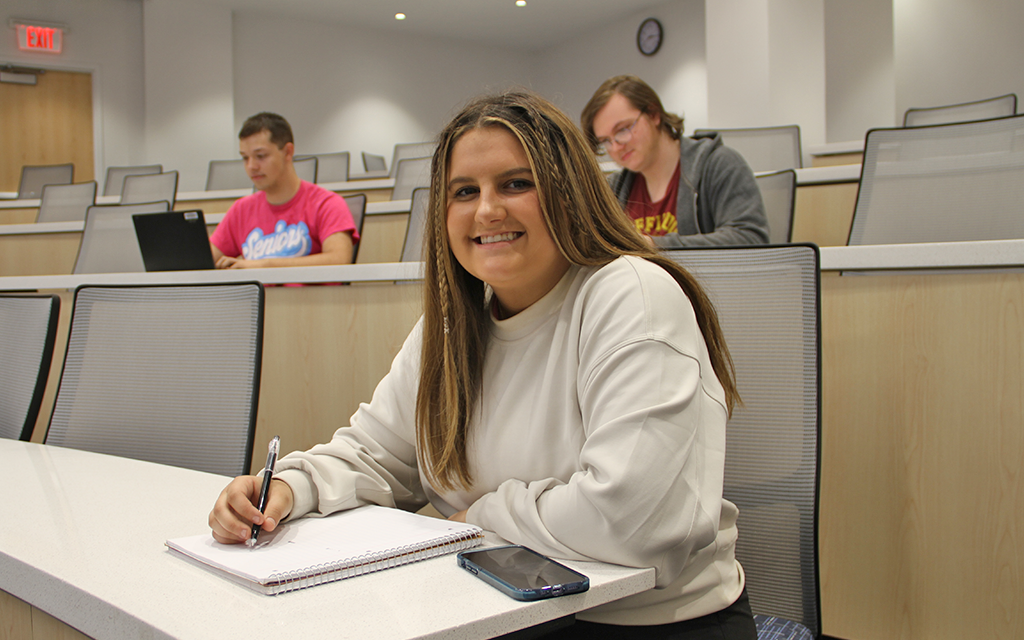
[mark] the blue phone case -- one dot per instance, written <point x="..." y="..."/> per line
<point x="522" y="573"/>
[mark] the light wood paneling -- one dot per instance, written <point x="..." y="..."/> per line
<point x="325" y="348"/>
<point x="922" y="494"/>
<point x="382" y="238"/>
<point x="22" y="621"/>
<point x="47" y="123"/>
<point x="40" y="254"/>
<point x="823" y="212"/>
<point x="19" y="216"/>
<point x="837" y="159"/>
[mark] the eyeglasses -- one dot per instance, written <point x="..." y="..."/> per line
<point x="622" y="136"/>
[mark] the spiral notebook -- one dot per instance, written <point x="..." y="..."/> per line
<point x="310" y="551"/>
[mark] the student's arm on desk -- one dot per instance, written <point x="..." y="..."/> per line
<point x="336" y="249"/>
<point x="235" y="511"/>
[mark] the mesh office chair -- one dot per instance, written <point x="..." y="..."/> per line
<point x="357" y="207"/>
<point x="66" y="202"/>
<point x="778" y="191"/>
<point x="410" y="150"/>
<point x="109" y="243"/>
<point x="35" y="177"/>
<point x="411" y="173"/>
<point x="223" y="175"/>
<point x="28" y="331"/>
<point x="375" y="165"/>
<point x="114" y="183"/>
<point x="155" y="187"/>
<point x="964" y="112"/>
<point x="764" y="148"/>
<point x="306" y="168"/>
<point x="943" y="183"/>
<point x="412" y="249"/>
<point x="332" y="167"/>
<point x="767" y="298"/>
<point x="167" y="374"/>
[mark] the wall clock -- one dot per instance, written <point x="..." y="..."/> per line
<point x="648" y="36"/>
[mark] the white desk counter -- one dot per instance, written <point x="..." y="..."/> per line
<point x="83" y="541"/>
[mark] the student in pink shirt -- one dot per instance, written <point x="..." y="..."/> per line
<point x="288" y="222"/>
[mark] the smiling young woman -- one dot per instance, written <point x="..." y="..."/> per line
<point x="567" y="387"/>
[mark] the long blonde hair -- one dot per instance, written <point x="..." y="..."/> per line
<point x="589" y="229"/>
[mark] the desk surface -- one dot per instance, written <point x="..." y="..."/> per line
<point x="87" y="547"/>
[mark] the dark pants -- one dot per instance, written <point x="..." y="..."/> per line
<point x="735" y="622"/>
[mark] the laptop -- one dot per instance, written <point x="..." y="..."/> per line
<point x="173" y="240"/>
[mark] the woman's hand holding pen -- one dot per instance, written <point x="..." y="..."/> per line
<point x="235" y="510"/>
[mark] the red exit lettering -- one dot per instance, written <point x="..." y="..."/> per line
<point x="40" y="38"/>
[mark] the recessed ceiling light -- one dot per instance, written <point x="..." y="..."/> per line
<point x="520" y="3"/>
<point x="399" y="16"/>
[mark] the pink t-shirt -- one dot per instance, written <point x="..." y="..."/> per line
<point x="255" y="229"/>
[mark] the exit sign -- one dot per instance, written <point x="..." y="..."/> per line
<point x="40" y="38"/>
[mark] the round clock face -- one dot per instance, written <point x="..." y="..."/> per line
<point x="648" y="37"/>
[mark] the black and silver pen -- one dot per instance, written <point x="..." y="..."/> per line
<point x="268" y="473"/>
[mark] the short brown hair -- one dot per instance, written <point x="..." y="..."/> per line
<point x="640" y="95"/>
<point x="278" y="128"/>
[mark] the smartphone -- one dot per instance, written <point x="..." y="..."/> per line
<point x="522" y="573"/>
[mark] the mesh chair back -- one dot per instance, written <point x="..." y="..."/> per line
<point x="778" y="191"/>
<point x="410" y="150"/>
<point x="28" y="331"/>
<point x="332" y="167"/>
<point x="34" y="178"/>
<point x="944" y="183"/>
<point x="116" y="175"/>
<point x="412" y="249"/>
<point x="964" y="112"/>
<point x="767" y="298"/>
<point x="412" y="173"/>
<point x="223" y="175"/>
<point x="150" y="188"/>
<point x="109" y="243"/>
<point x="66" y="202"/>
<point x="168" y="374"/>
<point x="373" y="163"/>
<point x="357" y="207"/>
<point x="306" y="168"/>
<point x="764" y="148"/>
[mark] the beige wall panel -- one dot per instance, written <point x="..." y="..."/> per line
<point x="325" y="348"/>
<point x="922" y="504"/>
<point x="823" y="212"/>
<point x="19" y="216"/>
<point x="47" y="123"/>
<point x="43" y="254"/>
<point x="382" y="238"/>
<point x="837" y="159"/>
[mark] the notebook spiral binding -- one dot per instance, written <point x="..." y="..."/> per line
<point x="368" y="563"/>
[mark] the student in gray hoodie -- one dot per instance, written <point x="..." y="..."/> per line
<point x="678" y="191"/>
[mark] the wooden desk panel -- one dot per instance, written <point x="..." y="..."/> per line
<point x="38" y="254"/>
<point x="836" y="159"/>
<point x="822" y="213"/>
<point x="922" y="498"/>
<point x="19" y="216"/>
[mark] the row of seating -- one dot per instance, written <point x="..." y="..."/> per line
<point x="135" y="358"/>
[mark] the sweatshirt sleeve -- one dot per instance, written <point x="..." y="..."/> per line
<point x="649" y="489"/>
<point x="728" y="193"/>
<point x="371" y="461"/>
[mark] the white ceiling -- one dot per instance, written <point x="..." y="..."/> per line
<point x="538" y="25"/>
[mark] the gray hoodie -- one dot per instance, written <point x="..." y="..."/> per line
<point x="719" y="202"/>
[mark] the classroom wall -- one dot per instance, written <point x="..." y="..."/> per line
<point x="356" y="89"/>
<point x="105" y="39"/>
<point x="569" y="73"/>
<point x="860" y="73"/>
<point x="188" y="88"/>
<point x="951" y="51"/>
